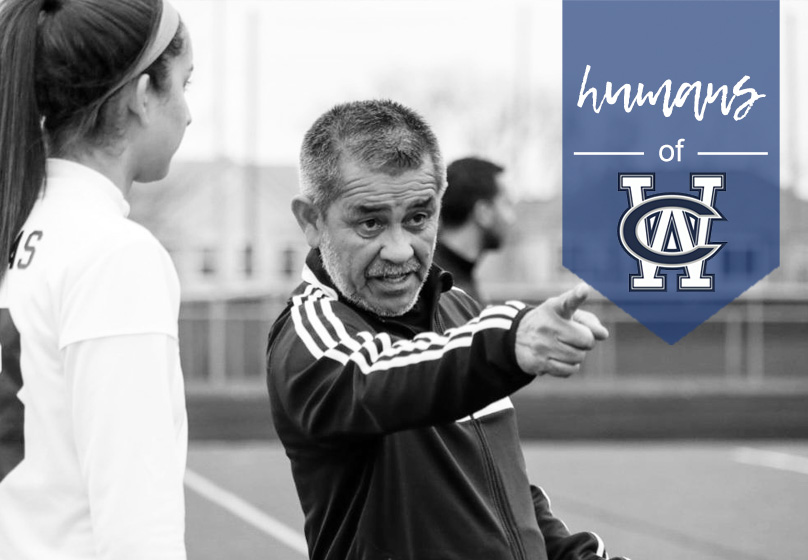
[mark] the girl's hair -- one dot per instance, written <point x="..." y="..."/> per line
<point x="59" y="62"/>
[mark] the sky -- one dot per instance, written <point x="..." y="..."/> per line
<point x="258" y="102"/>
<point x="266" y="69"/>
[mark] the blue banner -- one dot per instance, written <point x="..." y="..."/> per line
<point x="671" y="183"/>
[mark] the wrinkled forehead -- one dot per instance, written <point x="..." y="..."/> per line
<point x="363" y="186"/>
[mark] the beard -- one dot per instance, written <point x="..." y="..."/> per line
<point x="491" y="239"/>
<point x="335" y="267"/>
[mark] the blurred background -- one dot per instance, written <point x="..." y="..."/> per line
<point x="487" y="76"/>
<point x="697" y="450"/>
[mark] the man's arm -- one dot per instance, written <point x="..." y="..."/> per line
<point x="334" y="379"/>
<point x="331" y="378"/>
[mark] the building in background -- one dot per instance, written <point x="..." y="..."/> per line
<point x="230" y="231"/>
<point x="239" y="252"/>
<point x="487" y="75"/>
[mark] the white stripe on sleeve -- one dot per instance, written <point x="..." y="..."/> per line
<point x="301" y="330"/>
<point x="601" y="551"/>
<point x="327" y="335"/>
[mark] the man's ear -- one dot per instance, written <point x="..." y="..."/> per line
<point x="140" y="98"/>
<point x="308" y="218"/>
<point x="483" y="213"/>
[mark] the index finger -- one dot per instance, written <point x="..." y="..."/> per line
<point x="569" y="302"/>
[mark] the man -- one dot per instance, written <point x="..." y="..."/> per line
<point x="389" y="389"/>
<point x="475" y="217"/>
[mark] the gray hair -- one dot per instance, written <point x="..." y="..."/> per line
<point x="382" y="135"/>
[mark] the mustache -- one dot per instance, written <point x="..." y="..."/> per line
<point x="389" y="269"/>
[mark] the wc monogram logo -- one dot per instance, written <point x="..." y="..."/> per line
<point x="670" y="231"/>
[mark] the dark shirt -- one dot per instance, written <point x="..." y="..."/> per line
<point x="462" y="270"/>
<point x="402" y="441"/>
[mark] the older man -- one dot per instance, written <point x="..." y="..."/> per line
<point x="389" y="389"/>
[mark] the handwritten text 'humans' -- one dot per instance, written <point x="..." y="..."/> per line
<point x="641" y="97"/>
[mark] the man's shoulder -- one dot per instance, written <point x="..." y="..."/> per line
<point x="314" y="319"/>
<point x="314" y="301"/>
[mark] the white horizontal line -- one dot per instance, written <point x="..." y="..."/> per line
<point x="772" y="459"/>
<point x="733" y="153"/>
<point x="608" y="153"/>
<point x="246" y="512"/>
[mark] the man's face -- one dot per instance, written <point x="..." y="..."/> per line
<point x="378" y="237"/>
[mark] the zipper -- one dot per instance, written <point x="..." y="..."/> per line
<point x="503" y="510"/>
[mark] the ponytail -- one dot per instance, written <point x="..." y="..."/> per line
<point x="62" y="62"/>
<point x="22" y="146"/>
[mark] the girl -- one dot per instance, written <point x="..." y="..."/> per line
<point x="93" y="431"/>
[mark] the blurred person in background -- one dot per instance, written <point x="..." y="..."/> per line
<point x="389" y="388"/>
<point x="93" y="429"/>
<point x="475" y="217"/>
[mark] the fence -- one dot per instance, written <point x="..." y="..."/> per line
<point x="749" y="342"/>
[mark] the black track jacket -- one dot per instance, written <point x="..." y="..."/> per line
<point x="403" y="442"/>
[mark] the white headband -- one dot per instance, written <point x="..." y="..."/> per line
<point x="169" y="22"/>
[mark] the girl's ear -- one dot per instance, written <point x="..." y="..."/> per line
<point x="141" y="98"/>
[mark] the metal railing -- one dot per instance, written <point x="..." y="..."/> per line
<point x="751" y="341"/>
